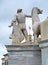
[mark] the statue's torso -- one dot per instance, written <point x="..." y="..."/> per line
<point x="21" y="17"/>
<point x="21" y="20"/>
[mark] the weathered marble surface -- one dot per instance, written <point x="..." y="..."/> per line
<point x="24" y="55"/>
<point x="36" y="22"/>
<point x="17" y="37"/>
<point x="44" y="30"/>
<point x="44" y="51"/>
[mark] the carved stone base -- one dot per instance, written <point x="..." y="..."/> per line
<point x="44" y="51"/>
<point x="24" y="55"/>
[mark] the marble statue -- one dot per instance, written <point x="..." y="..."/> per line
<point x="36" y="22"/>
<point x="19" y="31"/>
<point x="16" y="35"/>
<point x="20" y="17"/>
<point x="44" y="29"/>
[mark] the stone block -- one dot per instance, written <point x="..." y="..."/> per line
<point x="44" y="51"/>
<point x="44" y="30"/>
<point x="24" y="55"/>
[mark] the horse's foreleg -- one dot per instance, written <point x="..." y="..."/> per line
<point x="35" y="38"/>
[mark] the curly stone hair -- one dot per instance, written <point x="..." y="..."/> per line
<point x="19" y="10"/>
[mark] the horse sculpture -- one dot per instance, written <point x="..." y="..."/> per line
<point x="36" y="22"/>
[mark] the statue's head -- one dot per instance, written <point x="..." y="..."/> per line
<point x="19" y="10"/>
<point x="36" y="10"/>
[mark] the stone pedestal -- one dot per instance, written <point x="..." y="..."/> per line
<point x="44" y="51"/>
<point x="24" y="55"/>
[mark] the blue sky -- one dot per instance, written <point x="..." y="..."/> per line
<point x="8" y="10"/>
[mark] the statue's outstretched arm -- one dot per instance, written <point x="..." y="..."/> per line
<point x="28" y="16"/>
<point x="11" y="24"/>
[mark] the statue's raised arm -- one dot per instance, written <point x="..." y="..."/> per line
<point x="28" y="16"/>
<point x="13" y="22"/>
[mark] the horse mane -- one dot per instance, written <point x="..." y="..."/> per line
<point x="33" y="10"/>
<point x="35" y="17"/>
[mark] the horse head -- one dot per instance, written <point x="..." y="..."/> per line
<point x="36" y="10"/>
<point x="39" y="11"/>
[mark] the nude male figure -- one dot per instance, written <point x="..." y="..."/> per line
<point x="20" y="17"/>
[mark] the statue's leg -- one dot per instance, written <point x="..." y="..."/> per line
<point x="25" y="34"/>
<point x="19" y="33"/>
<point x="21" y="36"/>
<point x="35" y="38"/>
